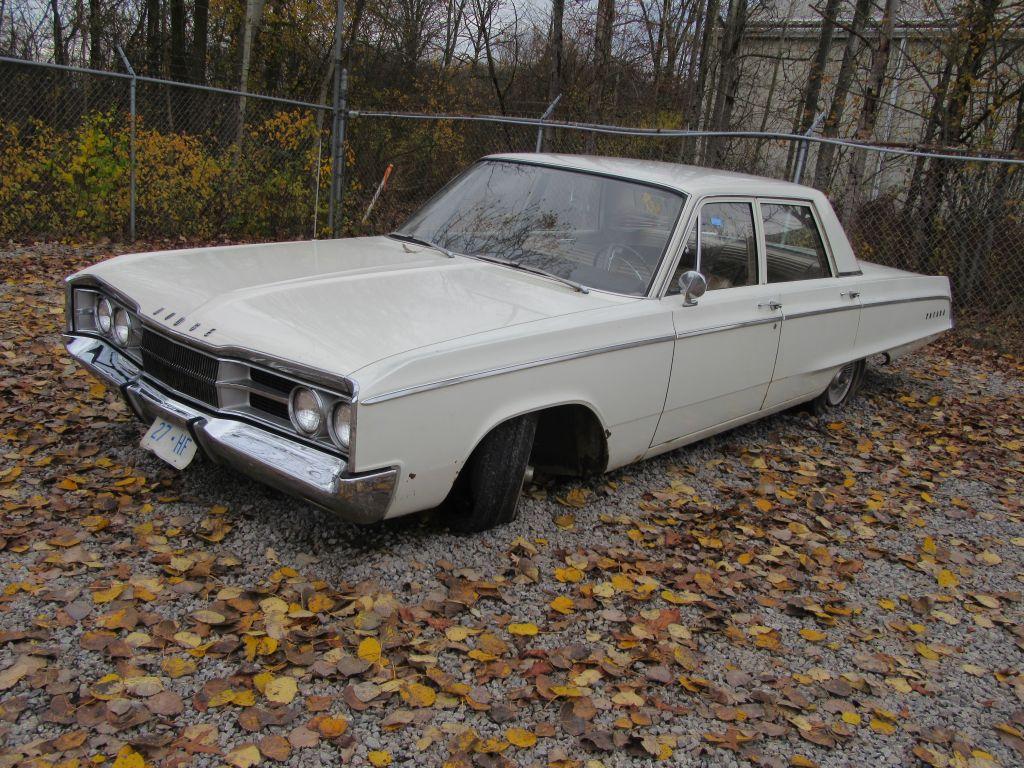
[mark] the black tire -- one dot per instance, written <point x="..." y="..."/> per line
<point x="840" y="390"/>
<point x="486" y="493"/>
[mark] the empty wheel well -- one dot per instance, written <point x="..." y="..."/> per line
<point x="569" y="441"/>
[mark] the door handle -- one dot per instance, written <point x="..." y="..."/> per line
<point x="851" y="294"/>
<point x="770" y="305"/>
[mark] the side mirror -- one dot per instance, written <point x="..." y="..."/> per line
<point x="692" y="285"/>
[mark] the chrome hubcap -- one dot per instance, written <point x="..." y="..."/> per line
<point x="841" y="383"/>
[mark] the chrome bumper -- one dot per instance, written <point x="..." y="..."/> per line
<point x="290" y="466"/>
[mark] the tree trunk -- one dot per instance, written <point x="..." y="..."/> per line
<point x="60" y="51"/>
<point x="253" y="14"/>
<point x="600" y="94"/>
<point x="179" y="60"/>
<point x="153" y="38"/>
<point x="95" y="28"/>
<point x="557" y="47"/>
<point x="973" y="41"/>
<point x="854" y="43"/>
<point x="200" y="40"/>
<point x="728" y="75"/>
<point x="872" y="105"/>
<point x="812" y="89"/>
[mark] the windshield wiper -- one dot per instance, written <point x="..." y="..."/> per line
<point x="421" y="241"/>
<point x="533" y="270"/>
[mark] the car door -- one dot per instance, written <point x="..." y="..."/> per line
<point x="820" y="313"/>
<point x="725" y="343"/>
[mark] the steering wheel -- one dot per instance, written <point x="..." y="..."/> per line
<point x="629" y="258"/>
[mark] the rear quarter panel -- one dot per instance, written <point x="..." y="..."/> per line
<point x="899" y="310"/>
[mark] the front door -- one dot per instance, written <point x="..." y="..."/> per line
<point x="725" y="344"/>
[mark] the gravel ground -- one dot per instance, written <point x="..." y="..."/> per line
<point x="795" y="592"/>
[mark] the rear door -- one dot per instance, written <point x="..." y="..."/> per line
<point x="820" y="312"/>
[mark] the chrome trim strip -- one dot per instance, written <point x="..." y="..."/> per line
<point x="814" y="312"/>
<point x="886" y="302"/>
<point x="728" y="327"/>
<point x="418" y="388"/>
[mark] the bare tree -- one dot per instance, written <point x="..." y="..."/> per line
<point x="872" y="104"/>
<point x="812" y="90"/>
<point x="854" y="43"/>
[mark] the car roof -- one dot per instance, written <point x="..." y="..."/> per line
<point x="692" y="179"/>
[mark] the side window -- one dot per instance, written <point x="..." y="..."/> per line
<point x="726" y="252"/>
<point x="794" y="247"/>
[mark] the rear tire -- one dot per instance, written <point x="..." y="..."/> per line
<point x="841" y="390"/>
<point x="487" y="490"/>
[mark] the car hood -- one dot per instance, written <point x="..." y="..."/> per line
<point x="334" y="305"/>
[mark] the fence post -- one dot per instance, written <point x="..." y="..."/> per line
<point x="545" y="116"/>
<point x="131" y="162"/>
<point x="801" y="152"/>
<point x="336" y="203"/>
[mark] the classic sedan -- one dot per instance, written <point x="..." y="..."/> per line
<point x="560" y="313"/>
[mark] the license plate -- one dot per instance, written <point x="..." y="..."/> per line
<point x="170" y="442"/>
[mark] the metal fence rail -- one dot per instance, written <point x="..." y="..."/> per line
<point x="90" y="153"/>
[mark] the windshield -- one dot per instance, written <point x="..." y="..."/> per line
<point x="603" y="233"/>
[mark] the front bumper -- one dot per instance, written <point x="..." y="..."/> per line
<point x="290" y="466"/>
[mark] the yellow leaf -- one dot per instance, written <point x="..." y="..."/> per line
<point x="899" y="683"/>
<point x="333" y="727"/>
<point x="799" y="761"/>
<point x="281" y="690"/>
<point x="419" y="695"/>
<point x="129" y="758"/>
<point x="369" y="650"/>
<point x="523" y="629"/>
<point x="812" y="635"/>
<point x="887" y="604"/>
<point x="244" y="756"/>
<point x="379" y="758"/>
<point x="562" y="604"/>
<point x="853" y="718"/>
<point x="571" y="575"/>
<point x="319" y="603"/>
<point x="763" y="504"/>
<point x="521" y="738"/>
<point x="107" y="595"/>
<point x="882" y="726"/>
<point x="926" y="651"/>
<point x="176" y="667"/>
<point x="244" y="698"/>
<point x="947" y="579"/>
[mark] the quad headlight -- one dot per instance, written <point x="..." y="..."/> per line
<point x="123" y="327"/>
<point x="341" y="425"/>
<point x="313" y="414"/>
<point x="104" y="316"/>
<point x="306" y="409"/>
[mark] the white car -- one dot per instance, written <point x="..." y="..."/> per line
<point x="564" y="313"/>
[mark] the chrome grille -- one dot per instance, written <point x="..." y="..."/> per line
<point x="181" y="368"/>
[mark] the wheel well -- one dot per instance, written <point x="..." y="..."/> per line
<point x="570" y="440"/>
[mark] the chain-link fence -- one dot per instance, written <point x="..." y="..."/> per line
<point x="216" y="164"/>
